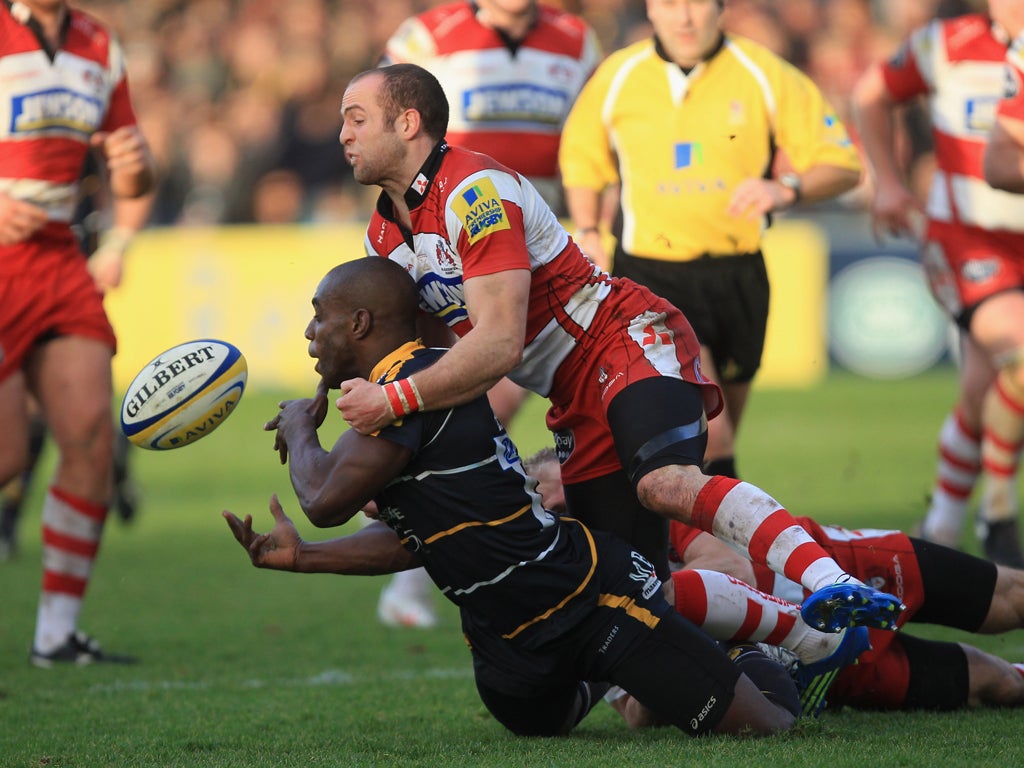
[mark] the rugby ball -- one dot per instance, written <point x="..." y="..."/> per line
<point x="183" y="394"/>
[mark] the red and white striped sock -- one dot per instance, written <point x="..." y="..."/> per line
<point x="747" y="517"/>
<point x="956" y="474"/>
<point x="1001" y="441"/>
<point x="731" y="610"/>
<point x="72" y="528"/>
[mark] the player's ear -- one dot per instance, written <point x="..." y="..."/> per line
<point x="362" y="323"/>
<point x="409" y="123"/>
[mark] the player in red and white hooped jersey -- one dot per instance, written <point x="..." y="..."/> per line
<point x="63" y="94"/>
<point x="511" y="70"/>
<point x="973" y="254"/>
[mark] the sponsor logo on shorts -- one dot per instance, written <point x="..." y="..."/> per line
<point x="702" y="715"/>
<point x="979" y="270"/>
<point x="653" y="585"/>
<point x="897" y="569"/>
<point x="608" y="640"/>
<point x="565" y="444"/>
<point x="607" y="382"/>
<point x="644" y="573"/>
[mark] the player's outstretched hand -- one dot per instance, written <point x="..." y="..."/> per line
<point x="296" y="417"/>
<point x="278" y="549"/>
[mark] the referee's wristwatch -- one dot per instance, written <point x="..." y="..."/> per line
<point x="792" y="181"/>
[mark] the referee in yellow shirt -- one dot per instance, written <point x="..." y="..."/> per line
<point x="690" y="124"/>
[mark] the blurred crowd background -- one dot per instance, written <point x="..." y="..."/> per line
<point x="240" y="98"/>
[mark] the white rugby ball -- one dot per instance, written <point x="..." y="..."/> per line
<point x="183" y="394"/>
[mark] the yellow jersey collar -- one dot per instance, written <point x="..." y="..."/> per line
<point x="384" y="371"/>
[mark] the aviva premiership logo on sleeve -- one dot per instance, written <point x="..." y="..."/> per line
<point x="480" y="209"/>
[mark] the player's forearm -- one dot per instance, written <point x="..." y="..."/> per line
<point x="823" y="182"/>
<point x="584" y="207"/>
<point x="470" y="368"/>
<point x="134" y="181"/>
<point x="313" y="482"/>
<point x="371" y="551"/>
<point x="131" y="213"/>
<point x="873" y="112"/>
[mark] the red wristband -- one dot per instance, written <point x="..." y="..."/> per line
<point x="394" y="401"/>
<point x="403" y="397"/>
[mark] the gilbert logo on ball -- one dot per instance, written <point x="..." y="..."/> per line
<point x="183" y="394"/>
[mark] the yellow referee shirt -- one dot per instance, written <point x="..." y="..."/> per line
<point x="680" y="143"/>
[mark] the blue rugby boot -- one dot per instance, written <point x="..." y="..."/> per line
<point x="814" y="680"/>
<point x="850" y="604"/>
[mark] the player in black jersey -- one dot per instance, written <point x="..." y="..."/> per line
<point x="546" y="604"/>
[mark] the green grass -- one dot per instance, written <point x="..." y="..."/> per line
<point x="249" y="668"/>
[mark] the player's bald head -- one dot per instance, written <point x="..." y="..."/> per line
<point x="380" y="286"/>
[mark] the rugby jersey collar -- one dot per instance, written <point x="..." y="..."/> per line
<point x="417" y="191"/>
<point x="384" y="371"/>
<point x="22" y="14"/>
<point x="512" y="43"/>
<point x="660" y="50"/>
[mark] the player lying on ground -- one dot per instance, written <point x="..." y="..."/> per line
<point x="937" y="584"/>
<point x="546" y="604"/>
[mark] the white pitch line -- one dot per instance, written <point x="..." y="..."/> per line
<point x="337" y="677"/>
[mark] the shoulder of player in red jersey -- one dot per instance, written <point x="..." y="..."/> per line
<point x="971" y="37"/>
<point x="87" y="37"/>
<point x="454" y="27"/>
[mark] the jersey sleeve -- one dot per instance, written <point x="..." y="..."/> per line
<point x="412" y="43"/>
<point x="906" y="74"/>
<point x="585" y="155"/>
<point x="120" y="111"/>
<point x="485" y="217"/>
<point x="807" y="127"/>
<point x="405" y="432"/>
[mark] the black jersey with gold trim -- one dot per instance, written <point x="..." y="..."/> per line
<point x="466" y="506"/>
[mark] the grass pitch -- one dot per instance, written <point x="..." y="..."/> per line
<point x="251" y="668"/>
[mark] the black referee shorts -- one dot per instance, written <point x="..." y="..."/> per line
<point x="725" y="298"/>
